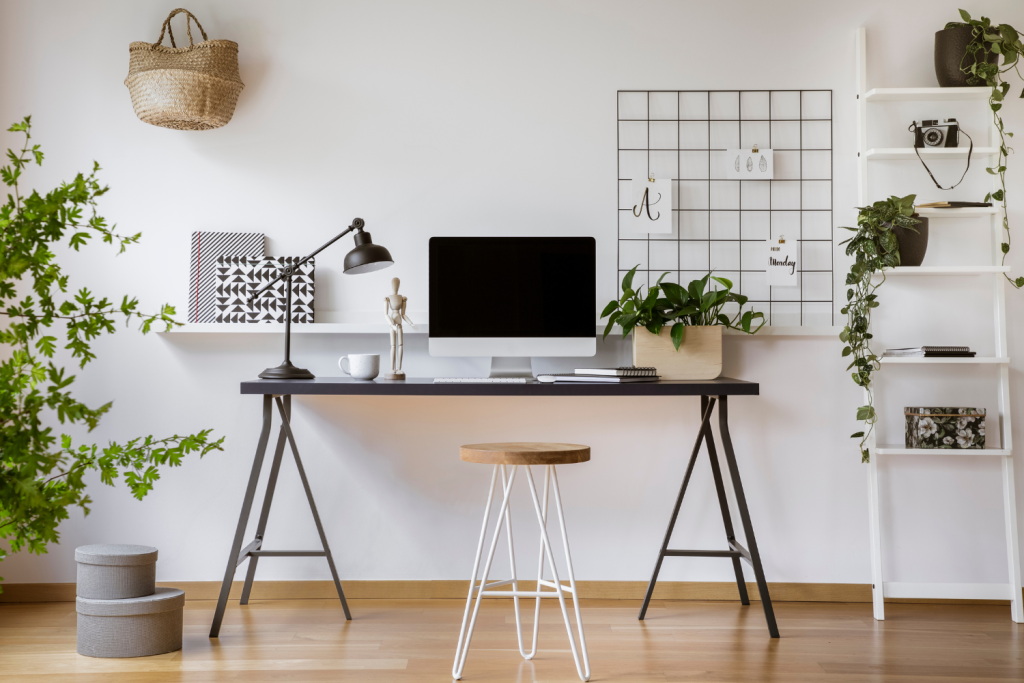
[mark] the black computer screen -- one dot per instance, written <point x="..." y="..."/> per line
<point x="512" y="287"/>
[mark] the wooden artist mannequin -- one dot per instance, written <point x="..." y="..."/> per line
<point x="394" y="309"/>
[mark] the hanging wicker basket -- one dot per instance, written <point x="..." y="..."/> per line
<point x="184" y="88"/>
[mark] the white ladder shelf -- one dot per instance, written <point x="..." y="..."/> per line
<point x="882" y="589"/>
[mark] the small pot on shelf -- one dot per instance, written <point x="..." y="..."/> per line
<point x="951" y="56"/>
<point x="913" y="245"/>
<point x="698" y="357"/>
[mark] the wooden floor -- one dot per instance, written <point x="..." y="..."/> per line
<point x="414" y="640"/>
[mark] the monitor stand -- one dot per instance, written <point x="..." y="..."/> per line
<point x="503" y="366"/>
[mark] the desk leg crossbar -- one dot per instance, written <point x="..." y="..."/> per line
<point x="735" y="551"/>
<point x="254" y="550"/>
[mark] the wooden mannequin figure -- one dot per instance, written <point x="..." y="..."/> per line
<point x="394" y="309"/>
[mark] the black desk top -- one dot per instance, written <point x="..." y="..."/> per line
<point x="425" y="386"/>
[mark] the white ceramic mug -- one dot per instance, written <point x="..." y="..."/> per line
<point x="361" y="365"/>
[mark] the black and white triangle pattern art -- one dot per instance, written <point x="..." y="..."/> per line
<point x="202" y="285"/>
<point x="238" y="278"/>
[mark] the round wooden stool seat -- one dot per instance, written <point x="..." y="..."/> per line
<point x="525" y="453"/>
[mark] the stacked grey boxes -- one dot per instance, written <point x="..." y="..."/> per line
<point x="121" y="612"/>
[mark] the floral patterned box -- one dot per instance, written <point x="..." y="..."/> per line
<point x="945" y="427"/>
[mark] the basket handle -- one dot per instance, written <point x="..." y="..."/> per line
<point x="188" y="27"/>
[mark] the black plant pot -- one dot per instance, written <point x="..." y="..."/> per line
<point x="950" y="50"/>
<point x="913" y="245"/>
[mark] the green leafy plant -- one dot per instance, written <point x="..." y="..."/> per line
<point x="680" y="306"/>
<point x="41" y="475"/>
<point x="999" y="39"/>
<point x="875" y="248"/>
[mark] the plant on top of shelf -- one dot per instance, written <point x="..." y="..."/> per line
<point x="681" y="306"/>
<point x="1000" y="39"/>
<point x="875" y="248"/>
<point x="41" y="475"/>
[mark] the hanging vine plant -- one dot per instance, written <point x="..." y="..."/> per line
<point x="1001" y="39"/>
<point x="874" y="248"/>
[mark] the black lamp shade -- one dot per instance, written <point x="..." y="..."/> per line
<point x="367" y="256"/>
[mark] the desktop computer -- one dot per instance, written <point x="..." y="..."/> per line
<point x="512" y="298"/>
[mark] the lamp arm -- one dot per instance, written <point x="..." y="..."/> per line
<point x="357" y="224"/>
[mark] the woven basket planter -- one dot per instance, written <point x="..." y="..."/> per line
<point x="115" y="572"/>
<point x="184" y="88"/>
<point x="138" y="627"/>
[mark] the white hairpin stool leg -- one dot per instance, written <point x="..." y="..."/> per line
<point x="466" y="635"/>
<point x="572" y="574"/>
<point x="541" y="556"/>
<point x="560" y="590"/>
<point x="512" y="563"/>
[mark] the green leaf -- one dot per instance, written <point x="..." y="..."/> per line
<point x="857" y="435"/>
<point x="965" y="16"/>
<point x="677" y="333"/>
<point x="612" y="306"/>
<point x="722" y="281"/>
<point x="674" y="293"/>
<point x="627" y="280"/>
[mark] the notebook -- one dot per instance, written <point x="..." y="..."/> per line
<point x="609" y="379"/>
<point x="930" y="352"/>
<point x="625" y="371"/>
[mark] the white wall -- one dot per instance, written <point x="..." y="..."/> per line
<point x="464" y="118"/>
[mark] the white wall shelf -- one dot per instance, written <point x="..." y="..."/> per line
<point x="966" y="212"/>
<point x="297" y="328"/>
<point x="908" y="153"/>
<point x="999" y="425"/>
<point x="383" y="328"/>
<point x="946" y="270"/>
<point x="983" y="360"/>
<point x="926" y="94"/>
<point x="895" y="449"/>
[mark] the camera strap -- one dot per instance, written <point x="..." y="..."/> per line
<point x="913" y="127"/>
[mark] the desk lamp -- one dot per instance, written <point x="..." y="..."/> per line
<point x="366" y="257"/>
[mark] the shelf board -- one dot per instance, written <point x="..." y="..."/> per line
<point x="297" y="328"/>
<point x="945" y="270"/>
<point x="926" y="94"/>
<point x="907" y="153"/>
<point x="980" y="360"/>
<point x="895" y="449"/>
<point x="965" y="212"/>
<point x="383" y="328"/>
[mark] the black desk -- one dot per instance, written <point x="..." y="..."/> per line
<point x="281" y="391"/>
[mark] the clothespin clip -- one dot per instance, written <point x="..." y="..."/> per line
<point x="782" y="238"/>
<point x="650" y="177"/>
<point x="754" y="151"/>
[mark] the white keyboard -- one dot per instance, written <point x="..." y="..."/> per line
<point x="480" y="380"/>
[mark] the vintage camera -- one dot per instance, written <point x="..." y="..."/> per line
<point x="931" y="133"/>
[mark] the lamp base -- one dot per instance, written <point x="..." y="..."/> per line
<point x="286" y="371"/>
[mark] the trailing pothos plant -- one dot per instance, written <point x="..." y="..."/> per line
<point x="43" y="475"/>
<point x="999" y="39"/>
<point x="680" y="306"/>
<point x="874" y="248"/>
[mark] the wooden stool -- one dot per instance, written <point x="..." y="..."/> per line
<point x="514" y="455"/>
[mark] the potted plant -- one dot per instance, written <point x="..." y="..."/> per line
<point x="972" y="48"/>
<point x="876" y="246"/>
<point x="677" y="329"/>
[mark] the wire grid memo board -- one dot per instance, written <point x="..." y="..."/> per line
<point x="723" y="225"/>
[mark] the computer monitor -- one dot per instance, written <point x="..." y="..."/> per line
<point x="512" y="298"/>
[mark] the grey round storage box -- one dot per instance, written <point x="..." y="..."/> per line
<point x="115" y="572"/>
<point x="137" y="627"/>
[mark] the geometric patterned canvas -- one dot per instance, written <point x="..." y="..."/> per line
<point x="206" y="247"/>
<point x="237" y="278"/>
